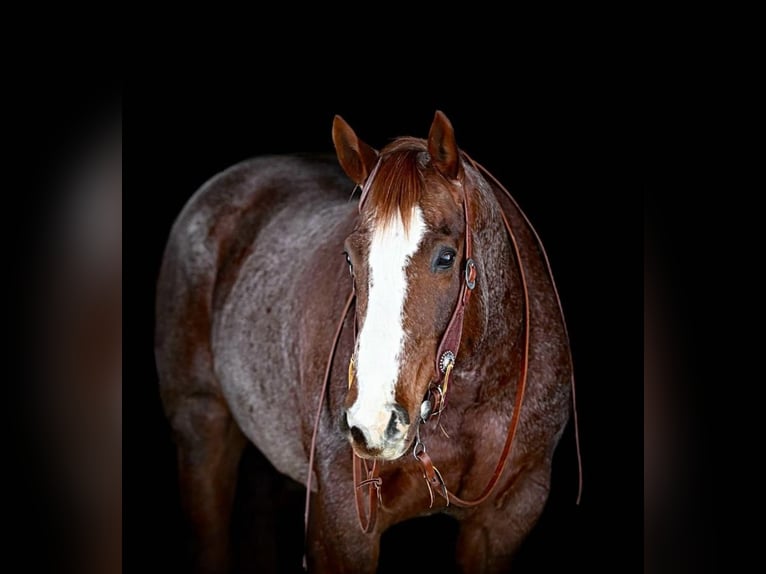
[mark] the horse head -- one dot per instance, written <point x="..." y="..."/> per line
<point x="407" y="257"/>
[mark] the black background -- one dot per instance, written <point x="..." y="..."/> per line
<point x="582" y="118"/>
<point x="565" y="149"/>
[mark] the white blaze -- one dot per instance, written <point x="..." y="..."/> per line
<point x="382" y="336"/>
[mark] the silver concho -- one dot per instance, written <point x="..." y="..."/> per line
<point x="447" y="358"/>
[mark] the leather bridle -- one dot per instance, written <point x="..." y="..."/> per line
<point x="435" y="399"/>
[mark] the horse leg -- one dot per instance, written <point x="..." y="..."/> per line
<point x="210" y="446"/>
<point x="335" y="542"/>
<point x="491" y="534"/>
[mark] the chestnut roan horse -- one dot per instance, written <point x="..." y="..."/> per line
<point x="436" y="378"/>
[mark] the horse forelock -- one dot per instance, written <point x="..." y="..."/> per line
<point x="397" y="183"/>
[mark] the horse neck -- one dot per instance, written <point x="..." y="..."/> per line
<point x="495" y="317"/>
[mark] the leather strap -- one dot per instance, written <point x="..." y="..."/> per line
<point x="541" y="248"/>
<point x="500" y="466"/>
<point x="424" y="459"/>
<point x="373" y="481"/>
<point x="368" y="183"/>
<point x="322" y="394"/>
<point x="432" y="476"/>
<point x="450" y="343"/>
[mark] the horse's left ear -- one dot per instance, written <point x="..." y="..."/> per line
<point x="442" y="146"/>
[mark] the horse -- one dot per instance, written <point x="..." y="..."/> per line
<point x="401" y="356"/>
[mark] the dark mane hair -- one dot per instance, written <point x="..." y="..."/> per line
<point x="398" y="182"/>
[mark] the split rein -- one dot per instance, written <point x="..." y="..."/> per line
<point x="435" y="400"/>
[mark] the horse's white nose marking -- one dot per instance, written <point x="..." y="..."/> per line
<point x="382" y="336"/>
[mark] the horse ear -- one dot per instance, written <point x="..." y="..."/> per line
<point x="442" y="147"/>
<point x="356" y="158"/>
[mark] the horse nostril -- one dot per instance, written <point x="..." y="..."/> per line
<point x="358" y="436"/>
<point x="398" y="416"/>
<point x="401" y="414"/>
<point x="391" y="430"/>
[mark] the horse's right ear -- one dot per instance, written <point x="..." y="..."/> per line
<point x="356" y="158"/>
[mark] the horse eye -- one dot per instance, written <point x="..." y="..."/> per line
<point x="445" y="259"/>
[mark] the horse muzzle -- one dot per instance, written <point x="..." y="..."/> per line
<point x="384" y="434"/>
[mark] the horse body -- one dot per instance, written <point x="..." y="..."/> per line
<point x="252" y="288"/>
<point x="246" y="250"/>
<point x="269" y="376"/>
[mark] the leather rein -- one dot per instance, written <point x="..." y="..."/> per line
<point x="435" y="399"/>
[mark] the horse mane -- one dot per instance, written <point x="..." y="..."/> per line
<point x="398" y="182"/>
